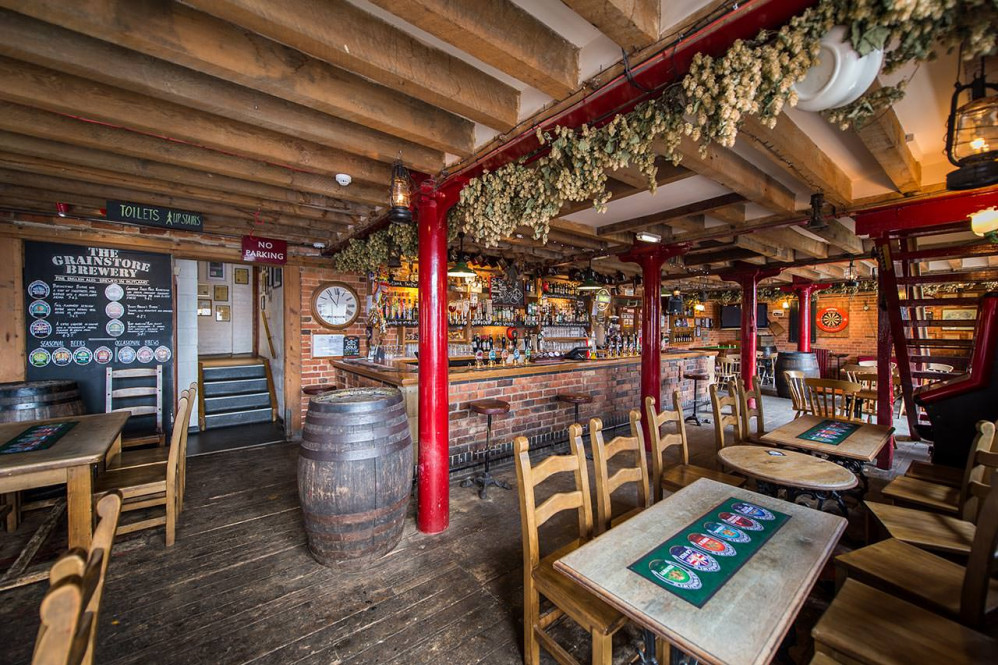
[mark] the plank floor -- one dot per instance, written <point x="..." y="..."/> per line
<point x="240" y="587"/>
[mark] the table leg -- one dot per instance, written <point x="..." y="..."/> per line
<point x="79" y="493"/>
<point x="113" y="451"/>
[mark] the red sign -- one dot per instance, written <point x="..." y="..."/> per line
<point x="265" y="250"/>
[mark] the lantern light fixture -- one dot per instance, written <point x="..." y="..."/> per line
<point x="399" y="193"/>
<point x="589" y="283"/>
<point x="461" y="268"/>
<point x="985" y="223"/>
<point x="972" y="134"/>
<point x="786" y="303"/>
<point x="647" y="236"/>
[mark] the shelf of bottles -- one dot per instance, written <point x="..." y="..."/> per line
<point x="688" y="327"/>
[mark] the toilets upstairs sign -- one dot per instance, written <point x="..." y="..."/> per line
<point x="147" y="215"/>
<point x="265" y="250"/>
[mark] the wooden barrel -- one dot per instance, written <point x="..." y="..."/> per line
<point x="39" y="400"/>
<point x="355" y="474"/>
<point x="804" y="362"/>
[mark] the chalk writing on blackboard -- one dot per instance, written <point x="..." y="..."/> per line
<point x="506" y="292"/>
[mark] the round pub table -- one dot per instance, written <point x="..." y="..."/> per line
<point x="797" y="473"/>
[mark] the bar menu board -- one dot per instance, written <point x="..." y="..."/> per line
<point x="93" y="308"/>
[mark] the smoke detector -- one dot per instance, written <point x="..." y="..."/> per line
<point x="343" y="179"/>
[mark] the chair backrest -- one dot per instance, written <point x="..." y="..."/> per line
<point x="831" y="398"/>
<point x="981" y="565"/>
<point x="728" y="367"/>
<point x="532" y="515"/>
<point x="981" y="461"/>
<point x="660" y="443"/>
<point x="155" y="391"/>
<point x="636" y="473"/>
<point x="747" y="412"/>
<point x="176" y="463"/>
<point x="721" y="418"/>
<point x="798" y="395"/>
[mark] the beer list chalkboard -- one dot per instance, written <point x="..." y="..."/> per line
<point x="91" y="308"/>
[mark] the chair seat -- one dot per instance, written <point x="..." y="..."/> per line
<point x="932" y="496"/>
<point x="490" y="407"/>
<point x="143" y="457"/>
<point x="935" y="473"/>
<point x="132" y="482"/>
<point x="929" y="531"/>
<point x="699" y="376"/>
<point x="913" y="574"/>
<point x="874" y="627"/>
<point x="583" y="607"/>
<point x="681" y="475"/>
<point x="575" y="398"/>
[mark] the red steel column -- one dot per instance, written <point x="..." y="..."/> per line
<point x="748" y="277"/>
<point x="433" y="513"/>
<point x="803" y="289"/>
<point x="885" y="378"/>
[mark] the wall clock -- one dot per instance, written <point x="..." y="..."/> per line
<point x="335" y="305"/>
<point x="832" y="319"/>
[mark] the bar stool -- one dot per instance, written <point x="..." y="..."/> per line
<point x="575" y="399"/>
<point x="488" y="407"/>
<point x="697" y="376"/>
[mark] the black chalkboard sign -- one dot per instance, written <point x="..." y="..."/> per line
<point x="351" y="345"/>
<point x="506" y="292"/>
<point x="91" y="308"/>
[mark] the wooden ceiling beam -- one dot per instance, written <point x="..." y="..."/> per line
<point x="344" y="35"/>
<point x="733" y="214"/>
<point x="101" y="161"/>
<point x="501" y="34"/>
<point x="838" y="235"/>
<point x="806" y="273"/>
<point x="38" y="87"/>
<point x="73" y="131"/>
<point x="762" y="246"/>
<point x="788" y="237"/>
<point x="673" y="213"/>
<point x="887" y="142"/>
<point x="721" y="256"/>
<point x="183" y="36"/>
<point x="43" y="44"/>
<point x="629" y="23"/>
<point x="791" y="149"/>
<point x="666" y="175"/>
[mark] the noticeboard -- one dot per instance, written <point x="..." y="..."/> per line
<point x="90" y="308"/>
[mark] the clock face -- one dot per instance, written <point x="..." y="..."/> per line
<point x="335" y="305"/>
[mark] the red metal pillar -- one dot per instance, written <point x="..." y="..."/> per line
<point x="885" y="375"/>
<point x="651" y="257"/>
<point x="803" y="289"/>
<point x="748" y="277"/>
<point x="433" y="513"/>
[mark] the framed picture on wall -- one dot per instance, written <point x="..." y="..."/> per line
<point x="204" y="290"/>
<point x="216" y="270"/>
<point x="221" y="292"/>
<point x="959" y="315"/>
<point x="240" y="275"/>
<point x="276" y="277"/>
<point x="223" y="313"/>
<point x="204" y="307"/>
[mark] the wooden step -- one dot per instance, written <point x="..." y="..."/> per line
<point x="937" y="323"/>
<point x="956" y="361"/>
<point x="910" y="303"/>
<point x="942" y="343"/>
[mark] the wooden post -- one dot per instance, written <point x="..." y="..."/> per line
<point x="12" y="360"/>
<point x="433" y="514"/>
<point x="292" y="351"/>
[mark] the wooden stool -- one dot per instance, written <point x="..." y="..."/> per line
<point x="488" y="407"/>
<point x="575" y="399"/>
<point x="697" y="377"/>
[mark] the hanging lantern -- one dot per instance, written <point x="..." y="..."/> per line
<point x="590" y="283"/>
<point x="461" y="268"/>
<point x="972" y="135"/>
<point x="398" y="196"/>
<point x="985" y="223"/>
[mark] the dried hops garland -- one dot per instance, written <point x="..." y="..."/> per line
<point x="754" y="77"/>
<point x="366" y="255"/>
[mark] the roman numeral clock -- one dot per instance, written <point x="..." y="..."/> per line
<point x="335" y="305"/>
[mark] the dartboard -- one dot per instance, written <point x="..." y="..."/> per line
<point x="832" y="319"/>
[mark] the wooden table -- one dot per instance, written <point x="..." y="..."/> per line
<point x="862" y="445"/>
<point x="95" y="439"/>
<point x="746" y="620"/>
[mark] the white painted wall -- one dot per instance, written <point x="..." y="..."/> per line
<point x="235" y="335"/>
<point x="187" y="327"/>
<point x="274" y="313"/>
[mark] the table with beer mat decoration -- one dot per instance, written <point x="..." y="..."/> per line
<point x="36" y="437"/>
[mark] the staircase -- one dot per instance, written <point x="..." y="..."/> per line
<point x="235" y="391"/>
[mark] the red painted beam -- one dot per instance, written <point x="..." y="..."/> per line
<point x="433" y="471"/>
<point x="924" y="213"/>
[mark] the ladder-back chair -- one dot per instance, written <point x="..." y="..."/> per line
<point x="159" y="455"/>
<point x="114" y="394"/>
<point x="831" y="398"/>
<point x="722" y="418"/>
<point x="798" y="393"/>
<point x="607" y="484"/>
<point x="750" y="412"/>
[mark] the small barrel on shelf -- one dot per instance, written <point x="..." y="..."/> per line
<point x="355" y="474"/>
<point x="21" y="401"/>
<point x="794" y="360"/>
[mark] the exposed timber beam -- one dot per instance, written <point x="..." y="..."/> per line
<point x="687" y="224"/>
<point x="733" y="214"/>
<point x="629" y="23"/>
<point x="763" y="247"/>
<point x="344" y="35"/>
<point x="791" y="149"/>
<point x="839" y="235"/>
<point x="790" y="238"/>
<point x="500" y="34"/>
<point x="665" y="175"/>
<point x="886" y="141"/>
<point x="719" y="256"/>
<point x="673" y="213"/>
<point x="183" y="36"/>
<point x="29" y="40"/>
<point x="806" y="273"/>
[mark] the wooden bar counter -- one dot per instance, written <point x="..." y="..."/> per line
<point x="531" y="391"/>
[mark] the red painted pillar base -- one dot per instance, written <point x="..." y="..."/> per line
<point x="433" y="507"/>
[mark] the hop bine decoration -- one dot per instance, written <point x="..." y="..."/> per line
<point x="367" y="255"/>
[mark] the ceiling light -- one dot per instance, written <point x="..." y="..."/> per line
<point x="972" y="135"/>
<point x="343" y="179"/>
<point x="461" y="268"/>
<point x="647" y="236"/>
<point x="985" y="223"/>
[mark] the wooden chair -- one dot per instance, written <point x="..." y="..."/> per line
<point x="965" y="594"/>
<point x="113" y="396"/>
<point x="154" y="456"/>
<point x="152" y="486"/>
<point x="748" y="413"/>
<point x="606" y="484"/>
<point x="798" y="395"/>
<point x="539" y="576"/>
<point x="942" y="498"/>
<point x="950" y="476"/>
<point x="831" y="398"/>
<point x="71" y="608"/>
<point x="722" y="419"/>
<point x="727" y="369"/>
<point x="864" y="625"/>
<point x="680" y="475"/>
